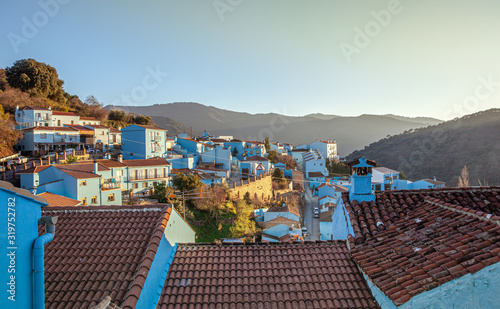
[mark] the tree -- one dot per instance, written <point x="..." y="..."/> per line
<point x="273" y="156"/>
<point x="278" y="175"/>
<point x="140" y="119"/>
<point x="463" y="179"/>
<point x="116" y="115"/>
<point x="8" y="134"/>
<point x="93" y="108"/>
<point x="183" y="182"/>
<point x="36" y="78"/>
<point x="160" y="191"/>
<point x="243" y="225"/>
<point x="267" y="144"/>
<point x="235" y="152"/>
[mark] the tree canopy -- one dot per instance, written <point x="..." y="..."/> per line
<point x="36" y="78"/>
<point x="185" y="182"/>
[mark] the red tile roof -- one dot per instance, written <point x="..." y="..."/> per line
<point x="111" y="163"/>
<point x="309" y="275"/>
<point x="82" y="129"/>
<point x="151" y="127"/>
<point x="368" y="219"/>
<point x="34" y="108"/>
<point x="41" y="128"/>
<point x="96" y="126"/>
<point x="101" y="251"/>
<point x="58" y="200"/>
<point x="88" y="118"/>
<point x="34" y="169"/>
<point x="146" y="162"/>
<point x="58" y="113"/>
<point x="256" y="158"/>
<point x="290" y="209"/>
<point x="81" y="170"/>
<point x="432" y="244"/>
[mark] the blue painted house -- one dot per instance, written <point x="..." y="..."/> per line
<point x="191" y="146"/>
<point x="21" y="212"/>
<point x="427" y="184"/>
<point x="143" y="142"/>
<point x="89" y="183"/>
<point x="219" y="156"/>
<point x="255" y="166"/>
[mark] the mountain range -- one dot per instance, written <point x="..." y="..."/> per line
<point x="443" y="150"/>
<point x="351" y="133"/>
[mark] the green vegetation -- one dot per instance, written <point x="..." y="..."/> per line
<point x="183" y="182"/>
<point x="443" y="150"/>
<point x="337" y="168"/>
<point x="243" y="226"/>
<point x="71" y="159"/>
<point x="275" y="157"/>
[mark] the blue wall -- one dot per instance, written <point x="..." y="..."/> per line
<point x="25" y="228"/>
<point x="134" y="142"/>
<point x="341" y="224"/>
<point x="478" y="290"/>
<point x="151" y="292"/>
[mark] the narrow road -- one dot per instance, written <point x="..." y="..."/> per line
<point x="310" y="222"/>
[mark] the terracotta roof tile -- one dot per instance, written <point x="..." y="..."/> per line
<point x="58" y="200"/>
<point x="291" y="209"/>
<point x="299" y="280"/>
<point x="146" y="162"/>
<point x="427" y="242"/>
<point x="86" y="261"/>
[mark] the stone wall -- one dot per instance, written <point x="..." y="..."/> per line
<point x="259" y="187"/>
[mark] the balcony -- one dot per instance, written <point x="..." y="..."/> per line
<point x="147" y="177"/>
<point x="156" y="138"/>
<point x="110" y="185"/>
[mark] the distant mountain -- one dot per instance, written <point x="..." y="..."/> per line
<point x="443" y="150"/>
<point x="172" y="126"/>
<point x="350" y="132"/>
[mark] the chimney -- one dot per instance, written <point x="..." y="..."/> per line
<point x="17" y="252"/>
<point x="96" y="166"/>
<point x="120" y="158"/>
<point x="119" y="128"/>
<point x="434" y="178"/>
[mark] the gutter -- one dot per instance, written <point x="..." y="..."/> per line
<point x="38" y="264"/>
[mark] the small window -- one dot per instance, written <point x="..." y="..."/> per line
<point x="136" y="185"/>
<point x="83" y="183"/>
<point x="111" y="197"/>
<point x="145" y="184"/>
<point x="72" y="122"/>
<point x="84" y="201"/>
<point x="94" y="199"/>
<point x="102" y="132"/>
<point x="43" y="135"/>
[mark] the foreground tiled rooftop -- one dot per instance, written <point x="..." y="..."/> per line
<point x="432" y="244"/>
<point x="370" y="218"/>
<point x="101" y="251"/>
<point x="310" y="275"/>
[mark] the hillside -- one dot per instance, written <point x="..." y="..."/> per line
<point x="443" y="150"/>
<point x="172" y="126"/>
<point x="350" y="132"/>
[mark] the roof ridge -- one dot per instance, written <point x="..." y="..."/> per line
<point x="110" y="208"/>
<point x="464" y="210"/>
<point x="136" y="286"/>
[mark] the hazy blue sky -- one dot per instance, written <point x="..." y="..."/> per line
<point x="412" y="58"/>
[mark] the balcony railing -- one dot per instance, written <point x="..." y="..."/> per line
<point x="108" y="185"/>
<point x="146" y="177"/>
<point x="156" y="138"/>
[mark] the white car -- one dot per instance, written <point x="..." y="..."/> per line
<point x="18" y="161"/>
<point x="68" y="152"/>
<point x="316" y="212"/>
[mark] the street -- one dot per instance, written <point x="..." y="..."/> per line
<point x="310" y="222"/>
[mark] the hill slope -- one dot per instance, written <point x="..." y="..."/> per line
<point x="350" y="132"/>
<point x="444" y="149"/>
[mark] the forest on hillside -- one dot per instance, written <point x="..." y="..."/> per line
<point x="443" y="150"/>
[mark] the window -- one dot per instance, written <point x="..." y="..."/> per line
<point x="145" y="184"/>
<point x="111" y="197"/>
<point x="155" y="184"/>
<point x="94" y="199"/>
<point x="43" y="135"/>
<point x="58" y="123"/>
<point x="83" y="183"/>
<point x="119" y="173"/>
<point x="136" y="185"/>
<point x="395" y="177"/>
<point x="72" y="122"/>
<point x="102" y="132"/>
<point x="84" y="201"/>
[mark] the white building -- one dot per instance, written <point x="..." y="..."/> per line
<point x="33" y="116"/>
<point x="327" y="148"/>
<point x="39" y="140"/>
<point x="59" y="119"/>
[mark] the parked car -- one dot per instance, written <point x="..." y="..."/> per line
<point x="69" y="151"/>
<point x="50" y="154"/>
<point x="304" y="230"/>
<point x="17" y="161"/>
<point x="316" y="212"/>
<point x="92" y="150"/>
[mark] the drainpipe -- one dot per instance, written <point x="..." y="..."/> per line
<point x="38" y="265"/>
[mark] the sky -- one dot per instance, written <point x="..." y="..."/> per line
<point x="412" y="58"/>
